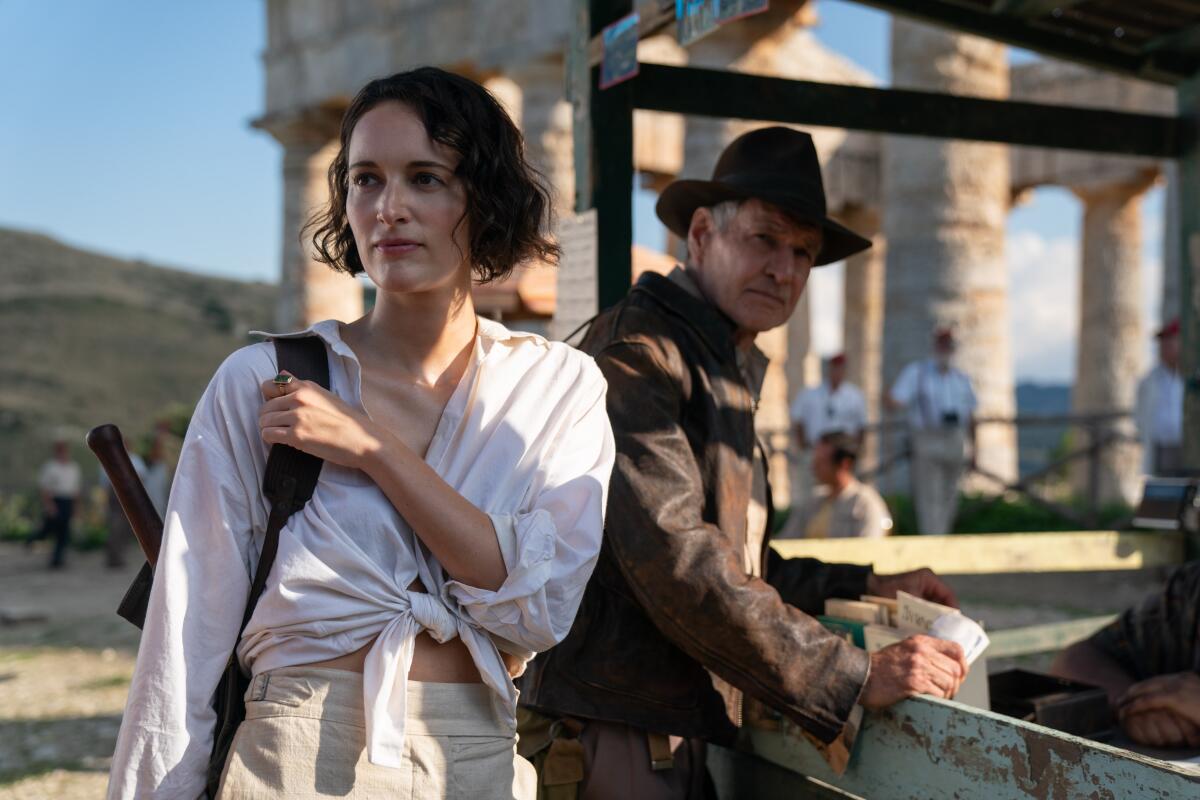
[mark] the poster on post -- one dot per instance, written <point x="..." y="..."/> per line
<point x="620" y="41"/>
<point x="730" y="10"/>
<point x="696" y="19"/>
<point x="576" y="298"/>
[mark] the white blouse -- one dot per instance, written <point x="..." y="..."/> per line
<point x="525" y="437"/>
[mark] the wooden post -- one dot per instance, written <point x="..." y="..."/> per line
<point x="1189" y="280"/>
<point x="603" y="149"/>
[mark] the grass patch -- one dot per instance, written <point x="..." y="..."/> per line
<point x="988" y="514"/>
<point x="111" y="682"/>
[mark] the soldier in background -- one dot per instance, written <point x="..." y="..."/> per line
<point x="120" y="534"/>
<point x="941" y="405"/>
<point x="835" y="405"/>
<point x="1160" y="407"/>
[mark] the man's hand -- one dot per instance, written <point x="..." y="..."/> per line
<point x="1161" y="728"/>
<point x="920" y="582"/>
<point x="917" y="665"/>
<point x="1163" y="711"/>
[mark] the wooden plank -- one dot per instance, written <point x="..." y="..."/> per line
<point x="926" y="749"/>
<point x="1107" y="54"/>
<point x="988" y="553"/>
<point x="610" y="122"/>
<point x="722" y="93"/>
<point x="1046" y="638"/>
<point x="1189" y="280"/>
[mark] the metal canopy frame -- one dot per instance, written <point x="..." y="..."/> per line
<point x="1165" y="48"/>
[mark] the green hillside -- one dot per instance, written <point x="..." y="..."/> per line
<point x="86" y="338"/>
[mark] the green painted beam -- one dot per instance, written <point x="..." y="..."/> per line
<point x="724" y="93"/>
<point x="926" y="749"/>
<point x="1047" y="638"/>
<point x="992" y="553"/>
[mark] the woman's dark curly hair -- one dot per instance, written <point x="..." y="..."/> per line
<point x="508" y="206"/>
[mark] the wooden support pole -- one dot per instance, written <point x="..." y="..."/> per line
<point x="603" y="149"/>
<point x="1189" y="279"/>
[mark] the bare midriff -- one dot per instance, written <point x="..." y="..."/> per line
<point x="433" y="662"/>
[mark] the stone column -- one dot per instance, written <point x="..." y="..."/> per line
<point x="1172" y="245"/>
<point x="862" y="321"/>
<point x="310" y="290"/>
<point x="1109" y="358"/>
<point x="545" y="119"/>
<point x="945" y="208"/>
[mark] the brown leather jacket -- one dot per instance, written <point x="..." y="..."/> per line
<point x="671" y="629"/>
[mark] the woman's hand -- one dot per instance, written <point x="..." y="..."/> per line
<point x="309" y="418"/>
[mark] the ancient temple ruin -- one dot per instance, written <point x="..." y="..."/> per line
<point x="936" y="209"/>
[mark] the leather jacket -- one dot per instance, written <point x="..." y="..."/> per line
<point x="672" y="630"/>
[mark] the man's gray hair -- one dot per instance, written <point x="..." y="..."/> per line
<point x="722" y="214"/>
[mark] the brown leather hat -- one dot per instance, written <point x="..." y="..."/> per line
<point x="777" y="165"/>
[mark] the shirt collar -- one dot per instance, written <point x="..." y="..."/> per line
<point x="488" y="332"/>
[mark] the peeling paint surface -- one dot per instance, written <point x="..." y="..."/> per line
<point x="927" y="749"/>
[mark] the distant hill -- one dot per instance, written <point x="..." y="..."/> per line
<point x="86" y="338"/>
<point x="1037" y="442"/>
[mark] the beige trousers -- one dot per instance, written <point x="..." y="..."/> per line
<point x="938" y="459"/>
<point x="303" y="737"/>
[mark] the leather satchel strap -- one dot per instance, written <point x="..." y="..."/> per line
<point x="291" y="475"/>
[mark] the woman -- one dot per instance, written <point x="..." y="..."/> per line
<point x="457" y="518"/>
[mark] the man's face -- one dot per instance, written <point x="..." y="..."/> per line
<point x="823" y="468"/>
<point x="837" y="372"/>
<point x="1168" y="351"/>
<point x="756" y="268"/>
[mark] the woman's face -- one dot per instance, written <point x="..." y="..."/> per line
<point x="405" y="204"/>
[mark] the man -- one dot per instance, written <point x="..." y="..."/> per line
<point x="843" y="507"/>
<point x="1148" y="661"/>
<point x="688" y="608"/>
<point x="58" y="487"/>
<point x="1160" y="407"/>
<point x="835" y="405"/>
<point x="941" y="418"/>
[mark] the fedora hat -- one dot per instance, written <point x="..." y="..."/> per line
<point x="777" y="165"/>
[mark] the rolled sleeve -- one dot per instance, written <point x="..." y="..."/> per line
<point x="201" y="583"/>
<point x="550" y="548"/>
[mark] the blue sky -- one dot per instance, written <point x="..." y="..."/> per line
<point x="132" y="137"/>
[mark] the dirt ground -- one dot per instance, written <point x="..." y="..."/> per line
<point x="66" y="658"/>
<point x="65" y="664"/>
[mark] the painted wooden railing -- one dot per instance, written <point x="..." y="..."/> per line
<point x="927" y="749"/>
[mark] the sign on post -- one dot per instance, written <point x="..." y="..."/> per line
<point x="620" y="41"/>
<point x="576" y="298"/>
<point x="698" y="18"/>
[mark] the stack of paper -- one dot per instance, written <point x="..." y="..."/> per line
<point x="876" y="622"/>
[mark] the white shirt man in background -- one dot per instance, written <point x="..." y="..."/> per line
<point x="59" y="483"/>
<point x="940" y="405"/>
<point x="1160" y="407"/>
<point x="835" y="405"/>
